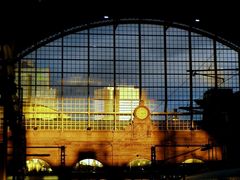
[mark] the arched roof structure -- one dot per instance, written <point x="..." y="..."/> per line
<point x="97" y="73"/>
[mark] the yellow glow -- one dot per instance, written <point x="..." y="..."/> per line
<point x="121" y="93"/>
<point x="88" y="163"/>
<point x="141" y="112"/>
<point x="139" y="162"/>
<point x="193" y="161"/>
<point x="38" y="165"/>
<point x="128" y="93"/>
<point x="42" y="112"/>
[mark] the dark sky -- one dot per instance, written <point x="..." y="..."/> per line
<point x="24" y="22"/>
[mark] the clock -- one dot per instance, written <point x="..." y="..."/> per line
<point x="141" y="112"/>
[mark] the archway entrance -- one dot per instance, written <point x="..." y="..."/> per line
<point x="38" y="166"/>
<point x="88" y="165"/>
<point x="139" y="164"/>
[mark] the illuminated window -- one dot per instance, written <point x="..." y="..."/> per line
<point x="139" y="164"/>
<point x="94" y="76"/>
<point x="88" y="165"/>
<point x="193" y="160"/>
<point x="37" y="165"/>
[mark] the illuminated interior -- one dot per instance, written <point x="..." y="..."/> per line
<point x="139" y="163"/>
<point x="88" y="165"/>
<point x="37" y="165"/>
<point x="193" y="160"/>
<point x="93" y="77"/>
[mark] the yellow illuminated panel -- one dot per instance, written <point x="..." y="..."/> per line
<point x="42" y="112"/>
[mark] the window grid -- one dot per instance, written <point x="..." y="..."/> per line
<point x="81" y="81"/>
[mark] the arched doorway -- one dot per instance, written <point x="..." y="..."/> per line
<point x="193" y="166"/>
<point x="38" y="166"/>
<point x="139" y="164"/>
<point x="88" y="165"/>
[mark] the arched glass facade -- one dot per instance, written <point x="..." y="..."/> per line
<point x="93" y="76"/>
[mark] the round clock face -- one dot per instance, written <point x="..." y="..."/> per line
<point x="141" y="112"/>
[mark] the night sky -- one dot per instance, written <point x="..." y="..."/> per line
<point x="24" y="22"/>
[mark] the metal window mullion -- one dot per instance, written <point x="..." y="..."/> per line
<point x="140" y="62"/>
<point x="62" y="98"/>
<point x="88" y="93"/>
<point x="114" y="75"/>
<point x="190" y="76"/>
<point x="35" y="73"/>
<point x="238" y="71"/>
<point x="35" y="87"/>
<point x="165" y="74"/>
<point x="215" y="62"/>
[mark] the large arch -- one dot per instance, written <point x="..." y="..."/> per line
<point x="96" y="74"/>
<point x="81" y="86"/>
